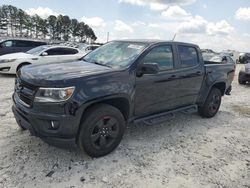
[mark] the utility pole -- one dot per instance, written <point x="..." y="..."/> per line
<point x="107" y="36"/>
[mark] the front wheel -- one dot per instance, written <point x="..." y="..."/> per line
<point x="101" y="130"/>
<point x="211" y="105"/>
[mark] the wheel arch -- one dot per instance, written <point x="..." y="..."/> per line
<point x="22" y="64"/>
<point x="121" y="102"/>
<point x="221" y="85"/>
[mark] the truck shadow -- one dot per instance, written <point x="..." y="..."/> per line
<point x="8" y="75"/>
<point x="39" y="160"/>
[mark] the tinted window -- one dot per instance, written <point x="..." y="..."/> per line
<point x="188" y="56"/>
<point x="94" y="47"/>
<point x="68" y="51"/>
<point x="162" y="55"/>
<point x="55" y="51"/>
<point x="20" y="43"/>
<point x="39" y="43"/>
<point x="8" y="43"/>
<point x="62" y="51"/>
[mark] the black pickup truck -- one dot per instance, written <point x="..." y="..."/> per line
<point x="89" y="102"/>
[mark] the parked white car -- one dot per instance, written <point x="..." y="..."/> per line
<point x="88" y="48"/>
<point x="11" y="63"/>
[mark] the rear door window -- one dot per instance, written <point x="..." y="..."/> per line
<point x="22" y="43"/>
<point x="68" y="51"/>
<point x="188" y="56"/>
<point x="54" y="51"/>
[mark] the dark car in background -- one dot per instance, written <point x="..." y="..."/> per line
<point x="244" y="74"/>
<point x="244" y="58"/>
<point x="18" y="45"/>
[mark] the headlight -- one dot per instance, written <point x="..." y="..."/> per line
<point x="54" y="94"/>
<point x="7" y="60"/>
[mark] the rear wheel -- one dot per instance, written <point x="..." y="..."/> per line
<point x="212" y="104"/>
<point x="241" y="82"/>
<point x="101" y="130"/>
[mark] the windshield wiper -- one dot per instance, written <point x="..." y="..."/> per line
<point x="95" y="62"/>
<point x="102" y="64"/>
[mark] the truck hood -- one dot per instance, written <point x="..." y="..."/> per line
<point x="60" y="71"/>
<point x="18" y="55"/>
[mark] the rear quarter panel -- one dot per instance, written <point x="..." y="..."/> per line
<point x="216" y="73"/>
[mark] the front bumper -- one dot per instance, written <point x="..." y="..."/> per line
<point x="244" y="76"/>
<point x="39" y="124"/>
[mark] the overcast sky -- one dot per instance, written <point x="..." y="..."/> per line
<point x="215" y="24"/>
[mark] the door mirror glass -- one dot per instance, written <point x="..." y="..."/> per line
<point x="44" y="54"/>
<point x="148" y="68"/>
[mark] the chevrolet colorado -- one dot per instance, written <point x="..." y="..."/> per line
<point x="89" y="102"/>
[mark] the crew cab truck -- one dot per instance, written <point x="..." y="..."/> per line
<point x="89" y="102"/>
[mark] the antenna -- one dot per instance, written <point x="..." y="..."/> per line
<point x="174" y="36"/>
<point x="107" y="36"/>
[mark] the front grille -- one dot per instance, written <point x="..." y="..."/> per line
<point x="25" y="92"/>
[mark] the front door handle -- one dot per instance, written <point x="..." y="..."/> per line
<point x="172" y="77"/>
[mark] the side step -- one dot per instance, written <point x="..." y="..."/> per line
<point x="164" y="116"/>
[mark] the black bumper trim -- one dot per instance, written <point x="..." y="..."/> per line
<point x="23" y="122"/>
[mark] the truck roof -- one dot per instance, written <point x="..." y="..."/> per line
<point x="156" y="41"/>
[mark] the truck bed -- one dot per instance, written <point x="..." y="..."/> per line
<point x="216" y="72"/>
<point x="213" y="62"/>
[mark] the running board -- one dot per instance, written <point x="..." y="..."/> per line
<point x="164" y="116"/>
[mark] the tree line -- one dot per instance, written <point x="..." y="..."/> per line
<point x="15" y="22"/>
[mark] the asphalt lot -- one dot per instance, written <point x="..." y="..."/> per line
<point x="188" y="151"/>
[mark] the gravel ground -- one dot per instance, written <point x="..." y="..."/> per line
<point x="187" y="151"/>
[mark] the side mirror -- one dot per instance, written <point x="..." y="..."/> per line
<point x="44" y="54"/>
<point x="148" y="68"/>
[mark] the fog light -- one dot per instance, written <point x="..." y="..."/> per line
<point x="55" y="124"/>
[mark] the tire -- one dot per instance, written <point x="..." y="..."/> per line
<point x="241" y="82"/>
<point x="101" y="130"/>
<point x="21" y="128"/>
<point x="211" y="105"/>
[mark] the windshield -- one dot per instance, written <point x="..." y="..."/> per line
<point x="37" y="50"/>
<point x="116" y="54"/>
